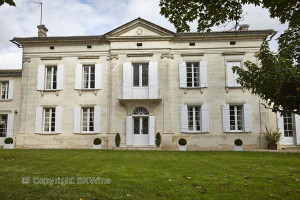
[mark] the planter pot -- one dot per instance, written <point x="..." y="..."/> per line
<point x="8" y="146"/>
<point x="157" y="142"/>
<point x="182" y="147"/>
<point x="97" y="146"/>
<point x="238" y="148"/>
<point x="272" y="146"/>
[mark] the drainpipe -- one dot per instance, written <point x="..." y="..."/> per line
<point x="259" y="107"/>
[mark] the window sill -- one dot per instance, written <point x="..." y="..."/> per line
<point x="192" y="87"/>
<point x="194" y="132"/>
<point x="5" y="100"/>
<point x="87" y="133"/>
<point x="237" y="132"/>
<point x="234" y="87"/>
<point x="87" y="90"/>
<point x="47" y="133"/>
<point x="49" y="91"/>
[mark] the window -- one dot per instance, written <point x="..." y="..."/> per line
<point x="194" y="118"/>
<point x="192" y="44"/>
<point x="236" y="118"/>
<point x="192" y="70"/>
<point x="288" y="124"/>
<point x="140" y="75"/>
<point x="51" y="78"/>
<point x="4" y="89"/>
<point x="232" y="77"/>
<point x="87" y="119"/>
<point x="49" y="120"/>
<point x="88" y="77"/>
<point x="232" y="42"/>
<point x="3" y="125"/>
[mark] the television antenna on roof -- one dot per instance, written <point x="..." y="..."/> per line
<point x="40" y="3"/>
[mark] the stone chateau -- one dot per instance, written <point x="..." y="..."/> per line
<point x="137" y="80"/>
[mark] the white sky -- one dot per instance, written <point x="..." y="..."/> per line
<point x="93" y="17"/>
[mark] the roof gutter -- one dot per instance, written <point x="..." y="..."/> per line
<point x="18" y="44"/>
<point x="274" y="33"/>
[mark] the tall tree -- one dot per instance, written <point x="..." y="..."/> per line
<point x="278" y="79"/>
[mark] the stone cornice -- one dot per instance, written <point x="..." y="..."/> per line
<point x="228" y="53"/>
<point x="10" y="72"/>
<point x="191" y="54"/>
<point x="140" y="55"/>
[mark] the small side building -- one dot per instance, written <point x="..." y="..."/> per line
<point x="10" y="99"/>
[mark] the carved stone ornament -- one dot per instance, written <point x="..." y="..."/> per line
<point x="139" y="31"/>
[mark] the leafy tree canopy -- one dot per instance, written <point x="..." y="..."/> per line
<point x="9" y="2"/>
<point x="277" y="81"/>
<point x="217" y="12"/>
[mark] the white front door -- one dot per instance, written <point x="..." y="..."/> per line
<point x="141" y="130"/>
<point x="287" y="129"/>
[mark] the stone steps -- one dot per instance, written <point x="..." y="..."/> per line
<point x="146" y="148"/>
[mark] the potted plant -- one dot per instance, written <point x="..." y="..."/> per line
<point x="8" y="143"/>
<point x="157" y="139"/>
<point x="272" y="138"/>
<point x="238" y="145"/>
<point x="97" y="143"/>
<point x="182" y="144"/>
<point x="117" y="140"/>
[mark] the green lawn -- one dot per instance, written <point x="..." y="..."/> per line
<point x="150" y="174"/>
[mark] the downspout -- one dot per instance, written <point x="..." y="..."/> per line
<point x="259" y="107"/>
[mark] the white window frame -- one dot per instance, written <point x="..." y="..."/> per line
<point x="51" y="77"/>
<point x="50" y="119"/>
<point x="235" y="118"/>
<point x="89" y="77"/>
<point x="88" y="119"/>
<point x="193" y="74"/>
<point x="140" y="75"/>
<point x="194" y="119"/>
<point x="5" y="130"/>
<point x="235" y="75"/>
<point x="6" y="89"/>
<point x="285" y="116"/>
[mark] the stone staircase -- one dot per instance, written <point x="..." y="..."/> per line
<point x="146" y="148"/>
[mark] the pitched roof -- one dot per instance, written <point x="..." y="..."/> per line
<point x="142" y="22"/>
<point x="10" y="72"/>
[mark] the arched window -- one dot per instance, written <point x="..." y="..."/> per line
<point x="140" y="111"/>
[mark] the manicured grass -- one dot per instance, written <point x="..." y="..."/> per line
<point x="151" y="174"/>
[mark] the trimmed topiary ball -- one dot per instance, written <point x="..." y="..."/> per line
<point x="118" y="140"/>
<point x="182" y="141"/>
<point x="97" y="141"/>
<point x="8" y="140"/>
<point x="238" y="142"/>
<point x="157" y="139"/>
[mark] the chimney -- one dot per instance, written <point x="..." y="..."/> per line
<point x="244" y="27"/>
<point x="42" y="31"/>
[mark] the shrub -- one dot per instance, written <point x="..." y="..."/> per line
<point x="8" y="140"/>
<point x="118" y="140"/>
<point x="182" y="141"/>
<point x="238" y="142"/>
<point x="272" y="137"/>
<point x="97" y="141"/>
<point x="158" y="139"/>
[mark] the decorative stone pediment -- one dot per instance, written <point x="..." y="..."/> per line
<point x="139" y="28"/>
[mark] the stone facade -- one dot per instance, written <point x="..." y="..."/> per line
<point x="139" y="41"/>
<point x="10" y="103"/>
